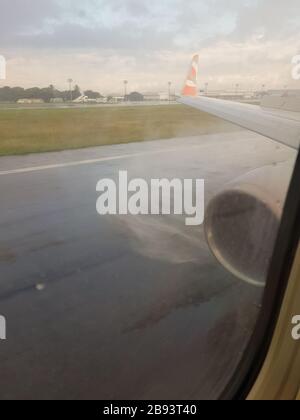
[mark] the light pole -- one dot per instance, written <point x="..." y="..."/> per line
<point x="70" y="81"/>
<point x="237" y="88"/>
<point x="125" y="90"/>
<point x="169" y="87"/>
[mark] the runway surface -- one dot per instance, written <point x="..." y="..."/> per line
<point x="119" y="307"/>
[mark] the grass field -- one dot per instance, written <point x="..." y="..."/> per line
<point x="42" y="130"/>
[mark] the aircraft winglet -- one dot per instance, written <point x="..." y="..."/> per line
<point x="190" y="87"/>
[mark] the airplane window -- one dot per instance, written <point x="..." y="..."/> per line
<point x="140" y="207"/>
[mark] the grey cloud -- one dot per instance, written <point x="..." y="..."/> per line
<point x="78" y="37"/>
<point x="18" y="16"/>
<point x="140" y="24"/>
<point x="273" y="19"/>
<point x="152" y="38"/>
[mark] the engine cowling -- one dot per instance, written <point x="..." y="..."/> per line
<point x="242" y="222"/>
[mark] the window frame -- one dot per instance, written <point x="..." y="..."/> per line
<point x="250" y="366"/>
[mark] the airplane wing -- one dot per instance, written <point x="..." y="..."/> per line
<point x="242" y="220"/>
<point x="279" y="125"/>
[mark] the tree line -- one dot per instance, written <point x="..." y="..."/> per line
<point x="13" y="94"/>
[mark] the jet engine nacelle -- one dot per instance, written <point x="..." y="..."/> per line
<point x="242" y="221"/>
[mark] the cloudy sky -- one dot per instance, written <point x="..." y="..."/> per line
<point x="99" y="43"/>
